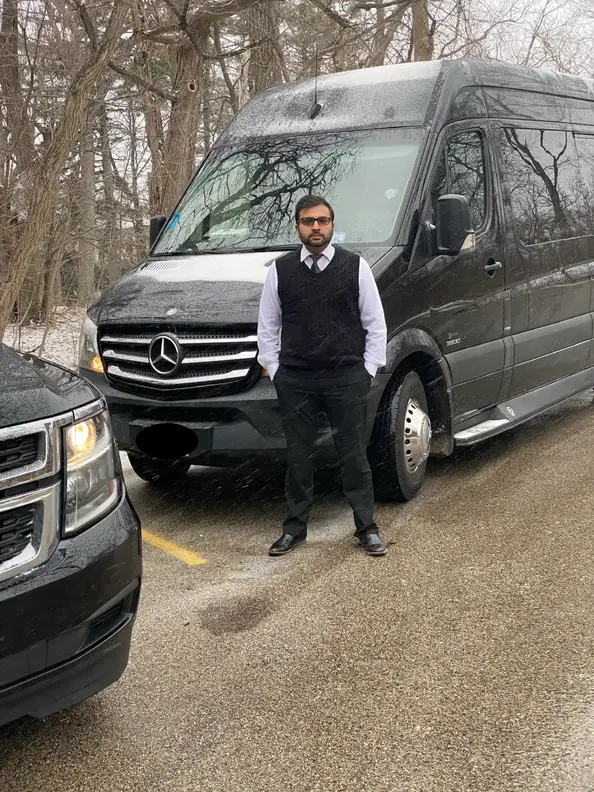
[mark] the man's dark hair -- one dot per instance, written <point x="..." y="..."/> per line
<point x="308" y="202"/>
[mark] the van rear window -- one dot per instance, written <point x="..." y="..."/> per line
<point x="548" y="185"/>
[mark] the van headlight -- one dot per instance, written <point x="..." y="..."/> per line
<point x="88" y="350"/>
<point x="93" y="484"/>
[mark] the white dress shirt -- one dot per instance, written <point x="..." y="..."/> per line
<point x="370" y="309"/>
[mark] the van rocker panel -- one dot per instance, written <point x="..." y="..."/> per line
<point x="514" y="412"/>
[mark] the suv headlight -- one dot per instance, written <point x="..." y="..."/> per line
<point x="93" y="485"/>
<point x="88" y="350"/>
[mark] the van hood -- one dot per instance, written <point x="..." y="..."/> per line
<point x="215" y="289"/>
<point x="32" y="389"/>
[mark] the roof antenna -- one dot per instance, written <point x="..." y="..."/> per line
<point x="317" y="106"/>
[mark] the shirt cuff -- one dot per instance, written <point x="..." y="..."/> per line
<point x="272" y="368"/>
<point x="371" y="369"/>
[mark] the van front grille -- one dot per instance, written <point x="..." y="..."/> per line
<point x="180" y="358"/>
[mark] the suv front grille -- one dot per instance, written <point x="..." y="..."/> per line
<point x="18" y="452"/>
<point x="16" y="531"/>
<point x="201" y="357"/>
<point x="30" y="493"/>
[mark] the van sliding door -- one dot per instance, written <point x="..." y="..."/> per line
<point x="550" y="255"/>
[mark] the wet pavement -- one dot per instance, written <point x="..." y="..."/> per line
<point x="462" y="661"/>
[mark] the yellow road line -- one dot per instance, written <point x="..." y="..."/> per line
<point x="182" y="553"/>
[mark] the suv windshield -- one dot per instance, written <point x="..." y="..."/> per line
<point x="245" y="198"/>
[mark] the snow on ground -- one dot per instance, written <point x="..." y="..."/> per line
<point x="61" y="343"/>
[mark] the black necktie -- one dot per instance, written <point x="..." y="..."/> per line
<point x="315" y="268"/>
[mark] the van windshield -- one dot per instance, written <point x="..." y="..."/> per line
<point x="244" y="198"/>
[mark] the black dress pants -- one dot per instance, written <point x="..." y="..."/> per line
<point x="303" y="399"/>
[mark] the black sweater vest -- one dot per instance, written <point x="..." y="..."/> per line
<point x="321" y="324"/>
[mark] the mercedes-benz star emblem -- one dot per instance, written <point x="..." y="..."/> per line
<point x="165" y="355"/>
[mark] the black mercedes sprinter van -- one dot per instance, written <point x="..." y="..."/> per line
<point x="70" y="560"/>
<point x="468" y="186"/>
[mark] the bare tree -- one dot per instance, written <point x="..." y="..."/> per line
<point x="43" y="197"/>
<point x="99" y="130"/>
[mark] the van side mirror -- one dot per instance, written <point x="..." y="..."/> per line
<point x="156" y="225"/>
<point x="453" y="224"/>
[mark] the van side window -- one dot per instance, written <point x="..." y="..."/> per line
<point x="585" y="156"/>
<point x="461" y="170"/>
<point x="543" y="174"/>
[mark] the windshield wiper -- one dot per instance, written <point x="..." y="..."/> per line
<point x="196" y="250"/>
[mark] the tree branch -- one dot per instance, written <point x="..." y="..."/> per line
<point x="235" y="53"/>
<point x="182" y="18"/>
<point x="189" y="29"/>
<point x="140" y="80"/>
<point x="218" y="10"/>
<point x="476" y="40"/>
<point x="216" y="35"/>
<point x="168" y="39"/>
<point x="160" y="31"/>
<point x="325" y="7"/>
<point x="87" y="22"/>
<point x="365" y="5"/>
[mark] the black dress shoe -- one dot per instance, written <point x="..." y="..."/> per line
<point x="285" y="544"/>
<point x="373" y="544"/>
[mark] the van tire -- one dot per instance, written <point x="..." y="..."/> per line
<point x="393" y="477"/>
<point x="160" y="473"/>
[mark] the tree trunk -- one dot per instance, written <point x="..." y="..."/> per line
<point x="178" y="160"/>
<point x="153" y="121"/>
<point x="384" y="35"/>
<point x="264" y="64"/>
<point x="422" y="37"/>
<point x="53" y="263"/>
<point x="140" y="240"/>
<point x="243" y="87"/>
<point x="206" y="112"/>
<point x="10" y="86"/>
<point x="18" y="124"/>
<point x="42" y="200"/>
<point x="88" y="249"/>
<point x="111" y="251"/>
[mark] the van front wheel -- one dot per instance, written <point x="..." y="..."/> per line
<point x="401" y="441"/>
<point x="165" y="475"/>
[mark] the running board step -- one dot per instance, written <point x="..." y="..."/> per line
<point x="475" y="432"/>
<point x="526" y="406"/>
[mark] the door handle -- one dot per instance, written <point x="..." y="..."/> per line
<point x="491" y="266"/>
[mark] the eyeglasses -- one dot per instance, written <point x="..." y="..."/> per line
<point x="309" y="221"/>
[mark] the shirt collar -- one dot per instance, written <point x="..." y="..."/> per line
<point x="328" y="252"/>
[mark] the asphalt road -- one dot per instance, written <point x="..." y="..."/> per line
<point x="462" y="661"/>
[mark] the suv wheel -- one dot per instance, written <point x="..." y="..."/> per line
<point x="159" y="472"/>
<point x="401" y="441"/>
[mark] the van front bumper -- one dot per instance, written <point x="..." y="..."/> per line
<point x="228" y="429"/>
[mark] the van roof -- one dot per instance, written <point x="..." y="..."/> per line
<point x="407" y="94"/>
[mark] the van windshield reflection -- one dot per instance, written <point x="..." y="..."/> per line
<point x="244" y="199"/>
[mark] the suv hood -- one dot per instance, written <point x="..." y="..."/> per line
<point x="32" y="389"/>
<point x="209" y="289"/>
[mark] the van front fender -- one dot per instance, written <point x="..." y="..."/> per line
<point x="415" y="350"/>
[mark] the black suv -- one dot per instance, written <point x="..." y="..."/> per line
<point x="70" y="557"/>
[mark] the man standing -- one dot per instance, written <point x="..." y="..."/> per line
<point x="322" y="337"/>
